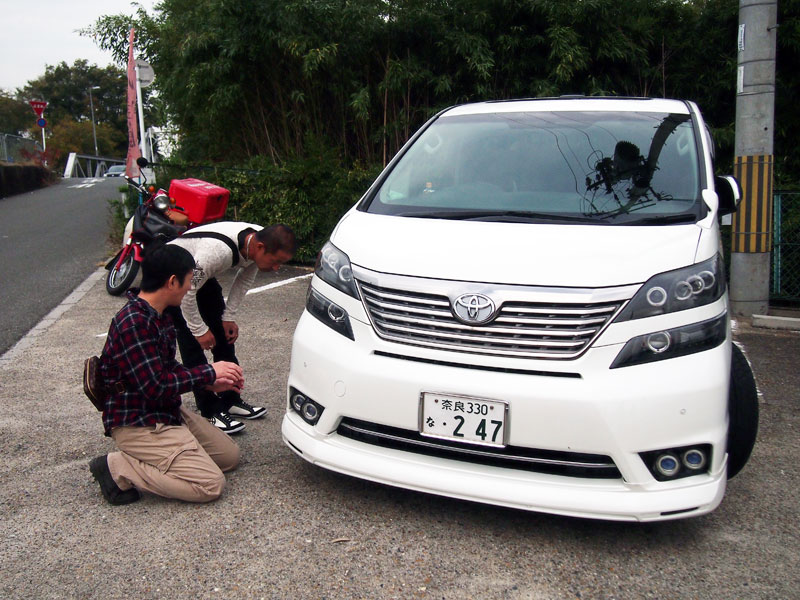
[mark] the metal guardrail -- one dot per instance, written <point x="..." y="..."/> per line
<point x="86" y="165"/>
<point x="786" y="247"/>
<point x="14" y="148"/>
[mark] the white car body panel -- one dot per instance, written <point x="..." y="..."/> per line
<point x="573" y="406"/>
<point x="546" y="255"/>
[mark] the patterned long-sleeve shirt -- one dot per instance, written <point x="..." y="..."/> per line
<point x="213" y="257"/>
<point x="140" y="354"/>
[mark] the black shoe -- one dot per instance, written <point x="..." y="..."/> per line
<point x="242" y="409"/>
<point x="224" y="422"/>
<point x="111" y="492"/>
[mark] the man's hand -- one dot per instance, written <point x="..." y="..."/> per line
<point x="229" y="376"/>
<point x="231" y="331"/>
<point x="207" y="340"/>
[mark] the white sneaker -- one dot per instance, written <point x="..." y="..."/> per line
<point x="225" y="423"/>
<point x="245" y="410"/>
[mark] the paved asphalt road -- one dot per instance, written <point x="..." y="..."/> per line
<point x="50" y="240"/>
<point x="285" y="529"/>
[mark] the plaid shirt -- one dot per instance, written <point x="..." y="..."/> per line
<point x="140" y="353"/>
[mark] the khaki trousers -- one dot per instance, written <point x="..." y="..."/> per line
<point x="175" y="461"/>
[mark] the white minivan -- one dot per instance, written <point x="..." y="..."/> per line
<point x="529" y="308"/>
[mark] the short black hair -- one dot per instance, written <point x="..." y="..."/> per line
<point x="162" y="261"/>
<point x="276" y="238"/>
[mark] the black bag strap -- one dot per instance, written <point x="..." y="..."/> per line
<point x="216" y="236"/>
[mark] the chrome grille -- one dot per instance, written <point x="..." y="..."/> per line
<point x="569" y="464"/>
<point x="521" y="328"/>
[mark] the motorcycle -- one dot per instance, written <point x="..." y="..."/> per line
<point x="159" y="218"/>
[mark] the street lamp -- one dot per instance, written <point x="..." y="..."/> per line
<point x="91" y="109"/>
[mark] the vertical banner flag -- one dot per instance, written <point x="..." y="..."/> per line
<point x="131" y="168"/>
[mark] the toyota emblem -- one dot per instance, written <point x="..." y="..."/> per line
<point x="473" y="309"/>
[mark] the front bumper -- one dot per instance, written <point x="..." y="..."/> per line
<point x="618" y="413"/>
<point x="502" y="487"/>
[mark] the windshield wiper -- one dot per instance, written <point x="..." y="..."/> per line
<point x="509" y="216"/>
<point x="523" y="216"/>
<point x="663" y="220"/>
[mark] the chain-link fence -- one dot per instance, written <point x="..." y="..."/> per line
<point x="786" y="248"/>
<point x="16" y="149"/>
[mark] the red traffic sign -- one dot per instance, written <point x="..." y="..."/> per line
<point x="38" y="107"/>
<point x="41" y="122"/>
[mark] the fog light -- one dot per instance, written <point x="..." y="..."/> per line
<point x="304" y="406"/>
<point x="694" y="459"/>
<point x="668" y="464"/>
<point x="665" y="464"/>
<point x="310" y="412"/>
<point x="297" y="401"/>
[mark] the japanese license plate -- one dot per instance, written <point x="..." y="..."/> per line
<point x="463" y="419"/>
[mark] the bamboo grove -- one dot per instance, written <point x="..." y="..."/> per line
<point x="255" y="82"/>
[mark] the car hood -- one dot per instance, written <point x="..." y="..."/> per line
<point x="515" y="253"/>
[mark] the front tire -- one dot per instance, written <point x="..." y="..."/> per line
<point x="742" y="413"/>
<point x="121" y="277"/>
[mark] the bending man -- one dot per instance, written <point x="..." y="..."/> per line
<point x="206" y="321"/>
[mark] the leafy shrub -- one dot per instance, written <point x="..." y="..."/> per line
<point x="309" y="193"/>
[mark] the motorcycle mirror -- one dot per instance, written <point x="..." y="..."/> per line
<point x="142" y="162"/>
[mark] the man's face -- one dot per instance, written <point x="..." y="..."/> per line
<point x="269" y="261"/>
<point x="178" y="290"/>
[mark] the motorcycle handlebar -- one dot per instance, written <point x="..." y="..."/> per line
<point x="136" y="185"/>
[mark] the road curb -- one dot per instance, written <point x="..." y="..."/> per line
<point x="770" y="322"/>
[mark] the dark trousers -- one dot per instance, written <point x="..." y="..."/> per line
<point x="211" y="305"/>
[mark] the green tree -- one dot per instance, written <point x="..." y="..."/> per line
<point x="16" y="116"/>
<point x="787" y="119"/>
<point x="66" y="90"/>
<point x="248" y="78"/>
<point x="76" y="136"/>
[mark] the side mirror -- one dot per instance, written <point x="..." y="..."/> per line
<point x="729" y="193"/>
<point x="142" y="162"/>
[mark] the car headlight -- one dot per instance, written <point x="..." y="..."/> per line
<point x="329" y="313"/>
<point x="682" y="289"/>
<point x="333" y="267"/>
<point x="672" y="343"/>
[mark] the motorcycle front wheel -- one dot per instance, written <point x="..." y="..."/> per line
<point x="121" y="275"/>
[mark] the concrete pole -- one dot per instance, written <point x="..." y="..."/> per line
<point x="755" y="115"/>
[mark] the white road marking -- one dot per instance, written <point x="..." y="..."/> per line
<point x="87" y="183"/>
<point x="270" y="286"/>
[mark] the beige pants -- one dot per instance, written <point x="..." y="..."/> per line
<point x="184" y="462"/>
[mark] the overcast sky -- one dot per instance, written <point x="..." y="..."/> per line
<point x="34" y="34"/>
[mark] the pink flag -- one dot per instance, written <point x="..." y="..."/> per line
<point x="132" y="169"/>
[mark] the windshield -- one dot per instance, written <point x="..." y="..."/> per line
<point x="578" y="167"/>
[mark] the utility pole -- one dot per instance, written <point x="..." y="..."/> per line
<point x="753" y="165"/>
<point x="91" y="110"/>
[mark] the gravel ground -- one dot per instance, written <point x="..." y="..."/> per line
<point x="286" y="529"/>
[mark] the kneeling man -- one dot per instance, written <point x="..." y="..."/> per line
<point x="163" y="448"/>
